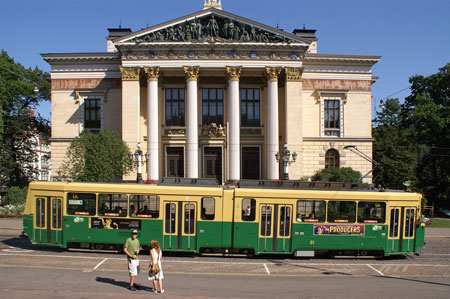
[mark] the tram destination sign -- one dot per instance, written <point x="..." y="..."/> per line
<point x="115" y="223"/>
<point x="330" y="229"/>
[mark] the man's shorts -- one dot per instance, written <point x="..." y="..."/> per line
<point x="133" y="267"/>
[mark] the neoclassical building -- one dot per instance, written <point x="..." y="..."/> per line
<point x="213" y="94"/>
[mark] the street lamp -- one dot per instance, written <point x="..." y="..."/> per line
<point x="286" y="159"/>
<point x="137" y="157"/>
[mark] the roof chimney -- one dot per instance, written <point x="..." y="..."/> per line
<point x="310" y="35"/>
<point x="113" y="34"/>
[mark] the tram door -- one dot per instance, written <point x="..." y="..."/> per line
<point x="48" y="220"/>
<point x="401" y="229"/>
<point x="275" y="228"/>
<point x="180" y="225"/>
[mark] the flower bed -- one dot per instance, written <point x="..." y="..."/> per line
<point x="11" y="216"/>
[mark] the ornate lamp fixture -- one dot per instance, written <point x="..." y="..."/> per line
<point x="286" y="160"/>
<point x="138" y="159"/>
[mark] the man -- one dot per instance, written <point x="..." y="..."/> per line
<point x="131" y="249"/>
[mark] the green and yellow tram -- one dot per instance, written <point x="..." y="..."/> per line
<point x="262" y="217"/>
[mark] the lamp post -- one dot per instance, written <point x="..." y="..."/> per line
<point x="137" y="157"/>
<point x="286" y="159"/>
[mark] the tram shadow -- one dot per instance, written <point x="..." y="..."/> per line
<point x="25" y="244"/>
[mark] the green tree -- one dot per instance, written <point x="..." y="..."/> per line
<point x="96" y="158"/>
<point x="21" y="90"/>
<point x="393" y="147"/>
<point x="427" y="111"/>
<point x="335" y="174"/>
<point x="16" y="196"/>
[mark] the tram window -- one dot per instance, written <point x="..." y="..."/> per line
<point x="311" y="210"/>
<point x="371" y="212"/>
<point x="170" y="218"/>
<point x="40" y="212"/>
<point x="266" y="221"/>
<point x="189" y="218"/>
<point x="393" y="227"/>
<point x="81" y="204"/>
<point x="342" y="211"/>
<point x="208" y="208"/>
<point x="112" y="205"/>
<point x="285" y="221"/>
<point x="248" y="209"/>
<point x="144" y="206"/>
<point x="409" y="223"/>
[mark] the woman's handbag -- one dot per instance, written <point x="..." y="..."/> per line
<point x="156" y="269"/>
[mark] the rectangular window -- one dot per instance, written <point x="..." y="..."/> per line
<point x="174" y="106"/>
<point x="393" y="227"/>
<point x="112" y="205"/>
<point x="342" y="211"/>
<point x="170" y="218"/>
<point x="332" y="118"/>
<point x="144" y="206"/>
<point x="285" y="221"/>
<point x="311" y="210"/>
<point x="212" y="106"/>
<point x="409" y="223"/>
<point x="250" y="107"/>
<point x="39" y="216"/>
<point x="248" y="209"/>
<point x="266" y="221"/>
<point x="189" y="219"/>
<point x="208" y="208"/>
<point x="81" y="204"/>
<point x="371" y="212"/>
<point x="92" y="117"/>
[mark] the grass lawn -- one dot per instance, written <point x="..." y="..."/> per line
<point x="439" y="222"/>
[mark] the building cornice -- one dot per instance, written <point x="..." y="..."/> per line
<point x="81" y="57"/>
<point x="340" y="58"/>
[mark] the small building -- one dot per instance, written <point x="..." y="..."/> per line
<point x="215" y="95"/>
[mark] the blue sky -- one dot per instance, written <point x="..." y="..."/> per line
<point x="412" y="36"/>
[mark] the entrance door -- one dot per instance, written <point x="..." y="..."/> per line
<point x="275" y="228"/>
<point x="180" y="225"/>
<point x="395" y="240"/>
<point x="56" y="220"/>
<point x="250" y="163"/>
<point x="409" y="229"/>
<point x="175" y="162"/>
<point x="212" y="164"/>
<point x="40" y="220"/>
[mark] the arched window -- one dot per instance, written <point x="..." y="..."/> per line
<point x="331" y="158"/>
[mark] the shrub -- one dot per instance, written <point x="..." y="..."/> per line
<point x="334" y="174"/>
<point x="16" y="196"/>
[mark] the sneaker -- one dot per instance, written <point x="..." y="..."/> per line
<point x="153" y="291"/>
<point x="138" y="287"/>
<point x="162" y="291"/>
<point x="131" y="288"/>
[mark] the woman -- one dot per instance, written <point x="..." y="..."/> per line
<point x="155" y="255"/>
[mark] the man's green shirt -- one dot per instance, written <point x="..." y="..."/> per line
<point x="132" y="246"/>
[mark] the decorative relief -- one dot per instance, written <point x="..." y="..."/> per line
<point x="191" y="72"/>
<point x="272" y="73"/>
<point x="104" y="83"/>
<point x="233" y="73"/>
<point x="175" y="132"/>
<point x="130" y="73"/>
<point x="337" y="84"/>
<point x="251" y="131"/>
<point x="293" y="74"/>
<point x="213" y="130"/>
<point x="213" y="28"/>
<point x="152" y="73"/>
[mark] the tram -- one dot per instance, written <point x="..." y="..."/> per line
<point x="302" y="219"/>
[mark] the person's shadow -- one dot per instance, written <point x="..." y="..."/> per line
<point x="118" y="283"/>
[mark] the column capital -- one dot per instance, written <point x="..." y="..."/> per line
<point x="233" y="73"/>
<point x="130" y="73"/>
<point x="272" y="73"/>
<point x="293" y="74"/>
<point x="152" y="73"/>
<point x="191" y="72"/>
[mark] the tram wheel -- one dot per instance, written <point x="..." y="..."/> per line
<point x="99" y="246"/>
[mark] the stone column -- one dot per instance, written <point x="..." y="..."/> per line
<point x="272" y="74"/>
<point x="233" y="74"/>
<point x="293" y="118"/>
<point x="130" y="109"/>
<point x="192" y="122"/>
<point x="152" y="74"/>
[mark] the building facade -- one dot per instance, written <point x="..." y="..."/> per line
<point x="215" y="95"/>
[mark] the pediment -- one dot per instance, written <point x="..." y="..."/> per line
<point x="211" y="25"/>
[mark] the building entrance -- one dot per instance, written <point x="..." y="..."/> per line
<point x="250" y="163"/>
<point x="212" y="163"/>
